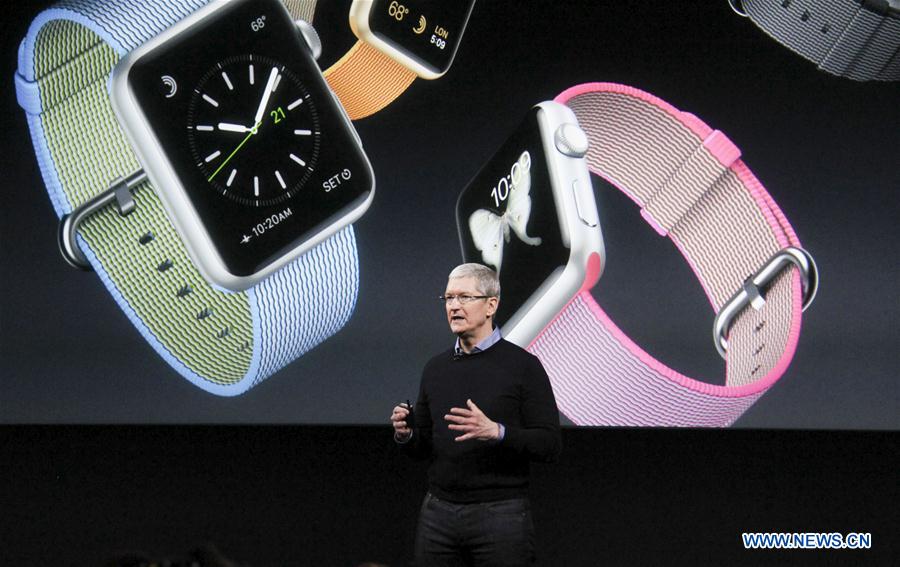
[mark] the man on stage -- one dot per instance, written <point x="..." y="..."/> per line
<point x="485" y="410"/>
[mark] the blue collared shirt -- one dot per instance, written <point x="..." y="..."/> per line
<point x="485" y="344"/>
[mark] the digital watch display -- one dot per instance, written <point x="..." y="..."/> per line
<point x="423" y="35"/>
<point x="508" y="218"/>
<point x="249" y="132"/>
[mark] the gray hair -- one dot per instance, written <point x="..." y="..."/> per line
<point x="486" y="279"/>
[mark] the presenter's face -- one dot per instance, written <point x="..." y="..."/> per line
<point x="472" y="317"/>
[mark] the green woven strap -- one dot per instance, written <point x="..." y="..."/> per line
<point x="140" y="256"/>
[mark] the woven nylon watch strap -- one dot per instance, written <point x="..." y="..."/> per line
<point x="691" y="186"/>
<point x="857" y="39"/>
<point x="365" y="80"/>
<point x="223" y="342"/>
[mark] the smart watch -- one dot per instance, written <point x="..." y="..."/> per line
<point x="857" y="39"/>
<point x="235" y="175"/>
<point x="530" y="213"/>
<point x="398" y="41"/>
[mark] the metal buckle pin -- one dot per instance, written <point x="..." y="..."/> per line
<point x="118" y="193"/>
<point x="752" y="292"/>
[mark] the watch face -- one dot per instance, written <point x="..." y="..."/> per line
<point x="508" y="220"/>
<point x="253" y="134"/>
<point x="427" y="30"/>
<point x="276" y="160"/>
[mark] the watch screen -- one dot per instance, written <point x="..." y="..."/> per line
<point x="252" y="131"/>
<point x="427" y="30"/>
<point x="507" y="218"/>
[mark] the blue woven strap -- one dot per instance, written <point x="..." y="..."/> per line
<point x="223" y="342"/>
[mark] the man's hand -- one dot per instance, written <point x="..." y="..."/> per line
<point x="473" y="423"/>
<point x="402" y="430"/>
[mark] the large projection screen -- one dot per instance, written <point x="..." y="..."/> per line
<point x="824" y="147"/>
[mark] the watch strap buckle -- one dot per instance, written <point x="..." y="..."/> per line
<point x="118" y="193"/>
<point x="752" y="292"/>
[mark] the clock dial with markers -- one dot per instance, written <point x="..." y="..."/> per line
<point x="253" y="130"/>
<point x="250" y="151"/>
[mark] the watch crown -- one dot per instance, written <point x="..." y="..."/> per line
<point x="311" y="36"/>
<point x="571" y="140"/>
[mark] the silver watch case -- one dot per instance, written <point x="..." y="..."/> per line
<point x="579" y="221"/>
<point x="168" y="185"/>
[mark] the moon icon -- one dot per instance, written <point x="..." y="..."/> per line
<point x="422" y="25"/>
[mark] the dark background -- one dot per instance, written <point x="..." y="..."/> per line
<point x="338" y="496"/>
<point x="825" y="148"/>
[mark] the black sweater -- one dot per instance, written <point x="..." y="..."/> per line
<point x="511" y="387"/>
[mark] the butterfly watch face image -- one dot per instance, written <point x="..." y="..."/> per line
<point x="421" y="35"/>
<point x="521" y="216"/>
<point x="252" y="156"/>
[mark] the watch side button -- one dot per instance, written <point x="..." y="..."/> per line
<point x="571" y="140"/>
<point x="587" y="212"/>
<point x="343" y="111"/>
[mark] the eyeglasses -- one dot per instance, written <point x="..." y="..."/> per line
<point x="462" y="299"/>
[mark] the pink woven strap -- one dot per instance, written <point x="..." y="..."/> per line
<point x="691" y="186"/>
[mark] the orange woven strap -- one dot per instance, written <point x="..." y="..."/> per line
<point x="366" y="80"/>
